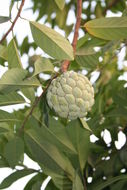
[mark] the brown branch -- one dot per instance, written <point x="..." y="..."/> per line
<point x="35" y="104"/>
<point x="66" y="63"/>
<point x="85" y="187"/>
<point x="14" y="22"/>
<point x="110" y="5"/>
<point x="77" y="26"/>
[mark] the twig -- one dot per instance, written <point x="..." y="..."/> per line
<point x="111" y="4"/>
<point x="85" y="187"/>
<point x="14" y="22"/>
<point x="35" y="104"/>
<point x="77" y="26"/>
<point x="66" y="63"/>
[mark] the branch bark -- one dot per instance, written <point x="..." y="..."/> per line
<point x="66" y="63"/>
<point x="35" y="104"/>
<point x="14" y="22"/>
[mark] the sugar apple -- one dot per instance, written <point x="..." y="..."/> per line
<point x="71" y="95"/>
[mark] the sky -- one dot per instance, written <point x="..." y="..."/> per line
<point x="22" y="29"/>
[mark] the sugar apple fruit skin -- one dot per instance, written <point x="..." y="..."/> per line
<point x="71" y="95"/>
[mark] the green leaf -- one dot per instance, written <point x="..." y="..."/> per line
<point x="29" y="93"/>
<point x="60" y="3"/>
<point x="62" y="182"/>
<point x="88" y="41"/>
<point x="37" y="185"/>
<point x="39" y="177"/>
<point x="75" y="137"/>
<point x="113" y="28"/>
<point x="43" y="65"/>
<point x="120" y="97"/>
<point x="117" y="112"/>
<point x="3" y="52"/>
<point x="4" y="19"/>
<point x="51" y="186"/>
<point x="4" y="128"/>
<point x="13" y="151"/>
<point x="87" y="58"/>
<point x="51" y="42"/>
<point x="14" y="79"/>
<point x="85" y="125"/>
<point x="3" y="163"/>
<point x="109" y="182"/>
<point x="14" y="177"/>
<point x="54" y="139"/>
<point x="77" y="184"/>
<point x="11" y="99"/>
<point x="13" y="56"/>
<point x="80" y="139"/>
<point x="83" y="40"/>
<point x="61" y="133"/>
<point x="5" y="116"/>
<point x="119" y="185"/>
<point x="41" y="142"/>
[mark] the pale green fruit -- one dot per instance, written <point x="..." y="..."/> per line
<point x="71" y="95"/>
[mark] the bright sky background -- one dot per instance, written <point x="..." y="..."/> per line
<point x="22" y="29"/>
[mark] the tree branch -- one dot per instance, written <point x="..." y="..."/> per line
<point x="66" y="63"/>
<point x="110" y="5"/>
<point x="35" y="104"/>
<point x="14" y="22"/>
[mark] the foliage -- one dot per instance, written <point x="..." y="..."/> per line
<point x="62" y="148"/>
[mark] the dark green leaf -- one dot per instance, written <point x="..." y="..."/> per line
<point x="120" y="97"/>
<point x="51" y="186"/>
<point x="14" y="177"/>
<point x="80" y="139"/>
<point x="4" y="19"/>
<point x="75" y="137"/>
<point x="117" y="112"/>
<point x="3" y="163"/>
<point x="109" y="182"/>
<point x="37" y="185"/>
<point x="13" y="151"/>
<point x="61" y="133"/>
<point x="42" y="142"/>
<point x="119" y="185"/>
<point x="39" y="177"/>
